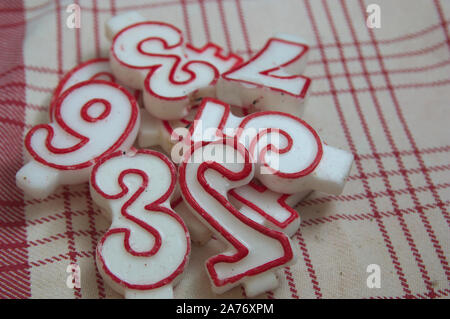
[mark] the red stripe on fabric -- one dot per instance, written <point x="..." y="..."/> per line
<point x="291" y="282"/>
<point x="9" y="292"/>
<point x="20" y="285"/>
<point x="59" y="40"/>
<point x="373" y="205"/>
<point x="444" y="24"/>
<point x="363" y="216"/>
<point x="72" y="253"/>
<point x="55" y="237"/>
<point x="223" y="20"/>
<point x="57" y="258"/>
<point x="439" y="293"/>
<point x="187" y="24"/>
<point x="94" y="238"/>
<point x="245" y="32"/>
<point x="78" y="40"/>
<point x="399" y="55"/>
<point x="205" y="20"/>
<point x="96" y="29"/>
<point x="436" y="168"/>
<point x="309" y="265"/>
<point x="430" y="150"/>
<point x="371" y="195"/>
<point x="382" y="88"/>
<point x="26" y="85"/>
<point x="415" y="69"/>
<point x="404" y="54"/>
<point x="113" y="7"/>
<point x="12" y="238"/>
<point x="18" y="7"/>
<point x="56" y="217"/>
<point x="52" y="197"/>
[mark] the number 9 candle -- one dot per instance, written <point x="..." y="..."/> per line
<point x="90" y="119"/>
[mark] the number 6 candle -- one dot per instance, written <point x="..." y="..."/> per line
<point x="90" y="119"/>
<point x="147" y="247"/>
<point x="289" y="154"/>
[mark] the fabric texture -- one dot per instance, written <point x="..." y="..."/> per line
<point x="382" y="94"/>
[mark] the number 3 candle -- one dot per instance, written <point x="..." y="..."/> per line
<point x="147" y="247"/>
<point x="90" y="119"/>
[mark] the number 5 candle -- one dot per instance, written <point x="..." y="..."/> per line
<point x="254" y="252"/>
<point x="150" y="56"/>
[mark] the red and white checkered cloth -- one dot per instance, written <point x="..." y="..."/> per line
<point x="382" y="94"/>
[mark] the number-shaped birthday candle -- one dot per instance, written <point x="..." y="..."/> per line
<point x="90" y="119"/>
<point x="271" y="80"/>
<point x="255" y="252"/>
<point x="288" y="153"/>
<point x="147" y="247"/>
<point x="150" y="56"/>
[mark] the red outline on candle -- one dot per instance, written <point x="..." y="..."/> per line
<point x="267" y="72"/>
<point x="217" y="53"/>
<point x="242" y="251"/>
<point x="85" y="110"/>
<point x="154" y="206"/>
<point x="152" y="68"/>
<point x="185" y="68"/>
<point x="83" y="140"/>
<point x="293" y="214"/>
<point x="69" y="74"/>
<point x="281" y="200"/>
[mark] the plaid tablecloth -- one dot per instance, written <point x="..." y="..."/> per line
<point x="382" y="94"/>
